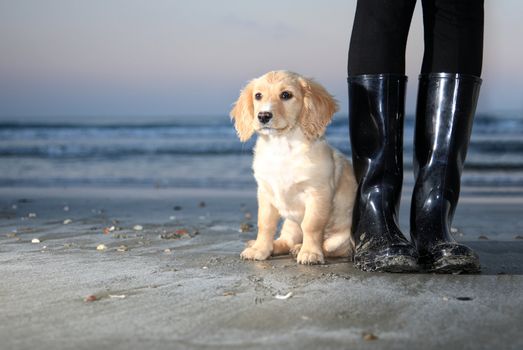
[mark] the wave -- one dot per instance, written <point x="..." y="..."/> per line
<point x="112" y="152"/>
<point x="508" y="156"/>
<point x="484" y="125"/>
<point x="490" y="120"/>
<point x="243" y="181"/>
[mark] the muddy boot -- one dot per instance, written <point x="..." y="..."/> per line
<point x="376" y="113"/>
<point x="445" y="110"/>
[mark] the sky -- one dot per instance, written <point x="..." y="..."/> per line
<point x="144" y="58"/>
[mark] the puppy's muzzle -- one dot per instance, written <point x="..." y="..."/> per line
<point x="264" y="117"/>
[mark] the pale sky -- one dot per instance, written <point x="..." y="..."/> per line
<point x="78" y="58"/>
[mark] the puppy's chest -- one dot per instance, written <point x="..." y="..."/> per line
<point x="283" y="172"/>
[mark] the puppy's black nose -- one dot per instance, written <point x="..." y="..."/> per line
<point x="264" y="117"/>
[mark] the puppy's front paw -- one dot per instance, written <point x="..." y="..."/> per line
<point x="308" y="257"/>
<point x="252" y="253"/>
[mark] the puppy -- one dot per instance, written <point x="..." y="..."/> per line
<point x="300" y="177"/>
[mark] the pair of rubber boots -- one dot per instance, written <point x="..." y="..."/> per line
<point x="445" y="110"/>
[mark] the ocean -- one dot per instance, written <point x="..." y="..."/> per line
<point x="204" y="152"/>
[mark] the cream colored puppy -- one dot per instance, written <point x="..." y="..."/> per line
<point x="300" y="177"/>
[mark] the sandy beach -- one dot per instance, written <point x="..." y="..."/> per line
<point x="170" y="277"/>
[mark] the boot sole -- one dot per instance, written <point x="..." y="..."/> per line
<point x="455" y="265"/>
<point x="394" y="264"/>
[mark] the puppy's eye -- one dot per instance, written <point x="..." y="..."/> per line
<point x="286" y="95"/>
<point x="258" y="96"/>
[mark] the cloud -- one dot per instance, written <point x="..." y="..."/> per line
<point x="274" y="29"/>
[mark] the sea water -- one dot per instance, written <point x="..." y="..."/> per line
<point x="204" y="152"/>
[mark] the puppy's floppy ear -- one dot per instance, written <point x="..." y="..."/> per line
<point x="318" y="108"/>
<point x="243" y="113"/>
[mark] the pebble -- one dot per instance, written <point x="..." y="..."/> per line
<point x="369" y="336"/>
<point x="170" y="235"/>
<point x="246" y="227"/>
<point x="11" y="235"/>
<point x="117" y="296"/>
<point x="14" y="206"/>
<point x="90" y="298"/>
<point x="518" y="237"/>
<point x="137" y="227"/>
<point x="201" y="204"/>
<point x="35" y="240"/>
<point x="101" y="247"/>
<point x="122" y="248"/>
<point x="31" y="215"/>
<point x="109" y="229"/>
<point x="177" y="207"/>
<point x="180" y="233"/>
<point x="67" y="221"/>
<point x="66" y="208"/>
<point x="172" y="217"/>
<point x="283" y="297"/>
<point x="483" y="237"/>
<point x="248" y="215"/>
<point x="167" y="251"/>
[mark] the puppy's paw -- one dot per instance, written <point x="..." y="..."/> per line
<point x="307" y="257"/>
<point x="295" y="251"/>
<point x="252" y="253"/>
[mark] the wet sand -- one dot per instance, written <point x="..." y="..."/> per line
<point x="178" y="281"/>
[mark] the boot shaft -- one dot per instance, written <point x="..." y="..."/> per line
<point x="376" y="116"/>
<point x="444" y="115"/>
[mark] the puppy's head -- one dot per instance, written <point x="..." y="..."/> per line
<point x="278" y="101"/>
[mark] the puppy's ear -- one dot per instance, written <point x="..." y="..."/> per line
<point x="318" y="108"/>
<point x="243" y="113"/>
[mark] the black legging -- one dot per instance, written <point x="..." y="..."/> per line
<point x="453" y="35"/>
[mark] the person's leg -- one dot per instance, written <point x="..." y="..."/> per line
<point x="376" y="86"/>
<point x="447" y="97"/>
<point x="379" y="37"/>
<point x="453" y="35"/>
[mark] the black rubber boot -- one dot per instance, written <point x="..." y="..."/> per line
<point x="376" y="114"/>
<point x="445" y="110"/>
